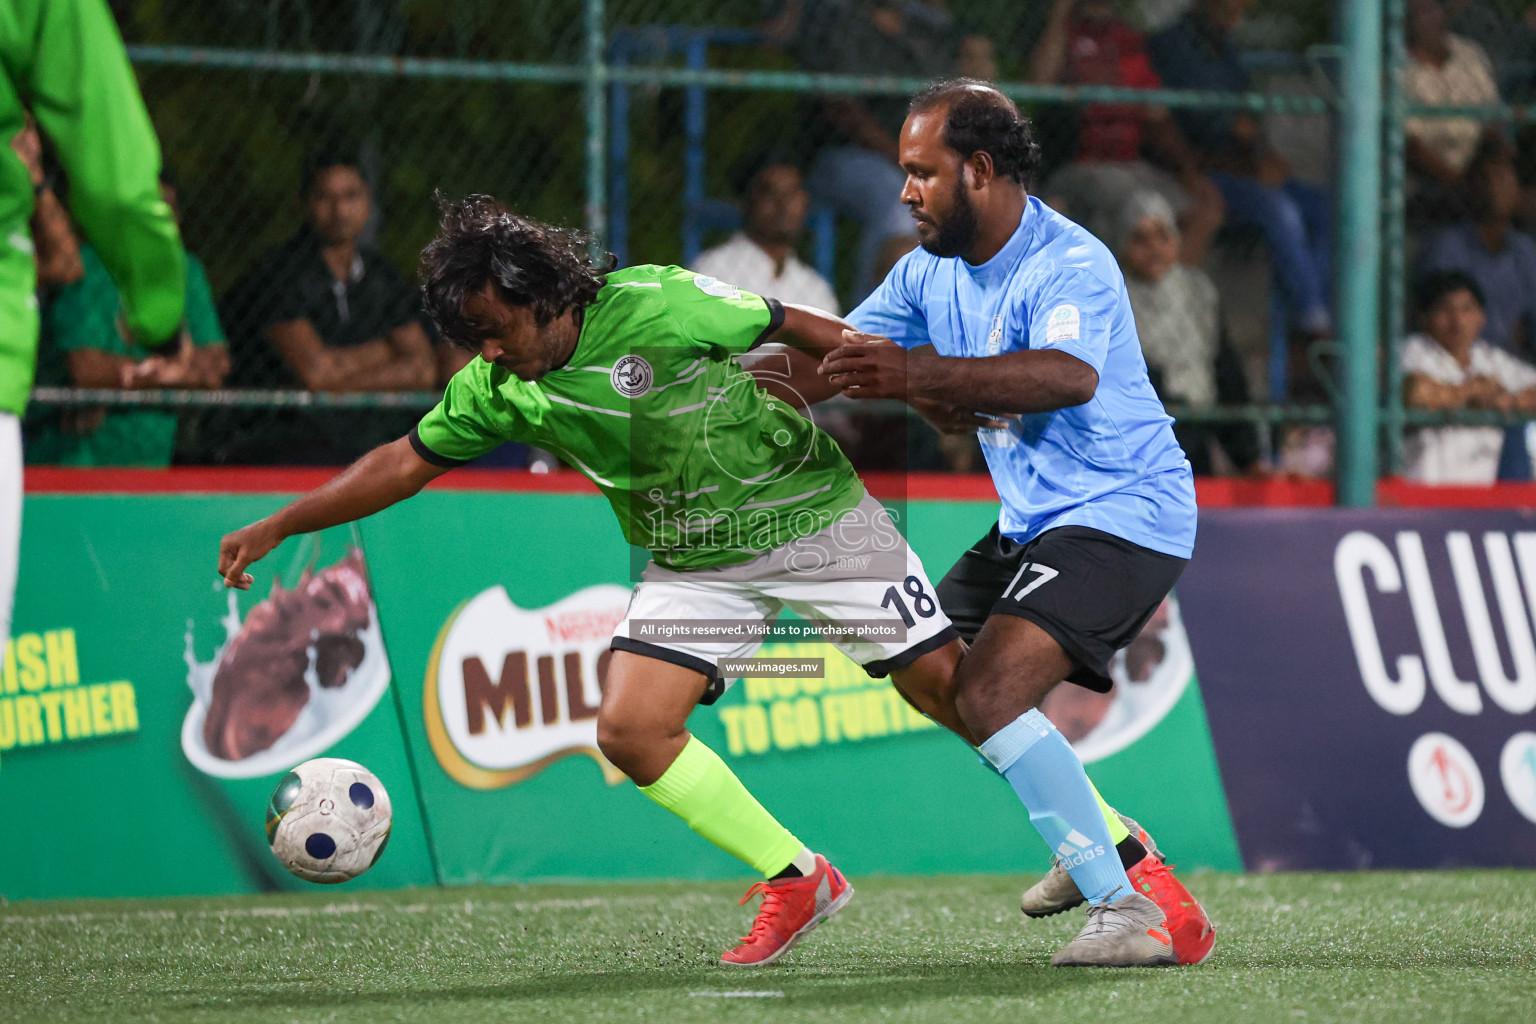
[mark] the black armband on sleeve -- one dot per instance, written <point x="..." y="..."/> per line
<point x="428" y="455"/>
<point x="775" y="321"/>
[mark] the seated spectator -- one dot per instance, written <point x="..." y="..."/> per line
<point x="1197" y="52"/>
<point x="324" y="311"/>
<point x="85" y="325"/>
<point x="1487" y="247"/>
<point x="1450" y="366"/>
<point x="1507" y="37"/>
<point x="1178" y="319"/>
<point x="1443" y="70"/>
<point x="856" y="173"/>
<point x="1086" y="43"/>
<point x="761" y="256"/>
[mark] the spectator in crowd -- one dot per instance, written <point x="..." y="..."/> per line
<point x="1197" y="52"/>
<point x="1443" y="70"/>
<point x="1450" y="366"/>
<point x="856" y="173"/>
<point x="1178" y="319"/>
<point x="325" y="312"/>
<point x="86" y="326"/>
<point x="1488" y="248"/>
<point x="761" y="256"/>
<point x="56" y="250"/>
<point x="1508" y="38"/>
<point x="1086" y="43"/>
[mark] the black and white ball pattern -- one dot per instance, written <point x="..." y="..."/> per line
<point x="328" y="820"/>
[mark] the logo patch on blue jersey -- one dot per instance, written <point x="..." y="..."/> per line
<point x="995" y="338"/>
<point x="713" y="286"/>
<point x="1064" y="324"/>
<point x="632" y="376"/>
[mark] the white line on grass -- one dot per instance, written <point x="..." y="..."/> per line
<point x="739" y="994"/>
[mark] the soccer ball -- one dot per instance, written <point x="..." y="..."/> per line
<point x="328" y="820"/>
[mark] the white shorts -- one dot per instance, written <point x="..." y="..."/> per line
<point x="857" y="574"/>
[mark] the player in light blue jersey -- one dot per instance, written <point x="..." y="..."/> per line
<point x="1093" y="447"/>
<point x="1010" y="312"/>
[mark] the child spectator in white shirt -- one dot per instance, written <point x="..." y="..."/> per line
<point x="1450" y="366"/>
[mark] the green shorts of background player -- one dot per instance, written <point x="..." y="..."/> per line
<point x="747" y="508"/>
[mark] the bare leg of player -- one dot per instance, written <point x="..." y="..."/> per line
<point x="928" y="684"/>
<point x="642" y="728"/>
<point x="642" y="723"/>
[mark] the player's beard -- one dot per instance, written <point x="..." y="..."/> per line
<point x="956" y="234"/>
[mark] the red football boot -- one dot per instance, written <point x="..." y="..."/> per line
<point x="791" y="908"/>
<point x="1194" y="937"/>
<point x="1193" y="934"/>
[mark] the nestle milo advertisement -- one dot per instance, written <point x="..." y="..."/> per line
<point x="456" y="645"/>
<point x="500" y="625"/>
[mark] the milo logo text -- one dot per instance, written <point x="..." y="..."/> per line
<point x="510" y="691"/>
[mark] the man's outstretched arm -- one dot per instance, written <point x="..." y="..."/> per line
<point x="813" y="331"/>
<point x="390" y="473"/>
<point x="1011" y="383"/>
<point x="786" y="365"/>
<point x="792" y="369"/>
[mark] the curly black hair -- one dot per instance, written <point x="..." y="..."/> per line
<point x="979" y="119"/>
<point x="548" y="269"/>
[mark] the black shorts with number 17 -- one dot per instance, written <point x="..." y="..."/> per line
<point x="1090" y="590"/>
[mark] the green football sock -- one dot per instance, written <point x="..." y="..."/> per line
<point x="699" y="788"/>
<point x="1117" y="829"/>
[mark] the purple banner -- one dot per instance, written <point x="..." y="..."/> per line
<point x="1370" y="680"/>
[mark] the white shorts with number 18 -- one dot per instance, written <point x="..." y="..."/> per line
<point x="857" y="573"/>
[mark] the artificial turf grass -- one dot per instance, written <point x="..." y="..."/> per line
<point x="1457" y="946"/>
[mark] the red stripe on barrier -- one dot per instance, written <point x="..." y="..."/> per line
<point x="1241" y="492"/>
<point x="931" y="486"/>
<point x="189" y="480"/>
<point x="265" y="480"/>
<point x="1392" y="492"/>
<point x="1405" y="494"/>
<point x="1212" y="492"/>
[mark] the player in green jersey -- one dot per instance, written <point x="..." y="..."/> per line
<point x="746" y="506"/>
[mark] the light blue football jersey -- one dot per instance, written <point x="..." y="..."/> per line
<point x="1111" y="464"/>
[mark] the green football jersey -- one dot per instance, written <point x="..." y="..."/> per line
<point x="702" y="467"/>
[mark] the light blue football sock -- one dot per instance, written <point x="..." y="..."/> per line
<point x="1040" y="765"/>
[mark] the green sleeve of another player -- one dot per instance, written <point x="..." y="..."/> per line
<point x="473" y="418"/>
<point x="719" y="315"/>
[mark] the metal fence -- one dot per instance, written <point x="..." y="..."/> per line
<point x="643" y="121"/>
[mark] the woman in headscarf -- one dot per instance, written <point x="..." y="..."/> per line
<point x="1178" y="318"/>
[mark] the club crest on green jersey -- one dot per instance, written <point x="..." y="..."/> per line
<point x="632" y="376"/>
